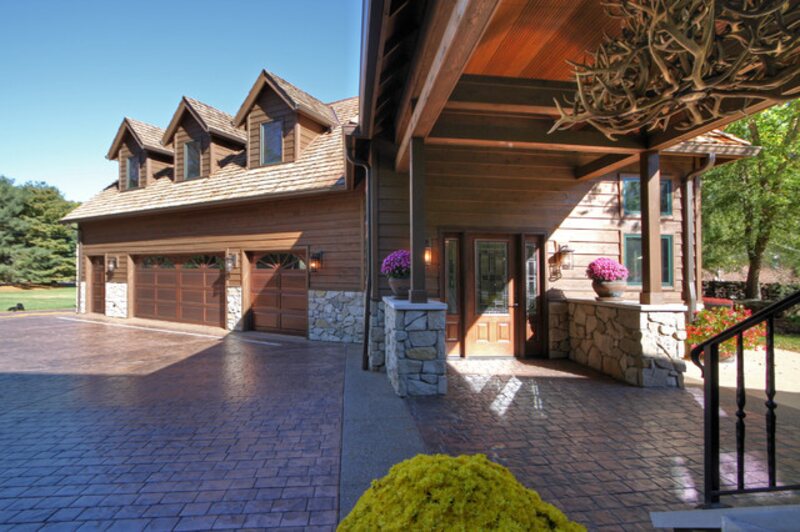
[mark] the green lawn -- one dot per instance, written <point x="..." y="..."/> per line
<point x="38" y="298"/>
<point x="790" y="342"/>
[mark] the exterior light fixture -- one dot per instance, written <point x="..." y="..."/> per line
<point x="561" y="260"/>
<point x="111" y="264"/>
<point x="231" y="262"/>
<point x="315" y="262"/>
<point x="566" y="254"/>
<point x="428" y="254"/>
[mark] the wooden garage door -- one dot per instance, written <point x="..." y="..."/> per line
<point x="188" y="289"/>
<point x="279" y="292"/>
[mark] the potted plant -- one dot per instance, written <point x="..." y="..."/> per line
<point x="397" y="267"/>
<point x="608" y="278"/>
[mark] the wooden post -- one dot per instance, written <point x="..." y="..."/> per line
<point x="416" y="210"/>
<point x="698" y="235"/>
<point x="650" y="179"/>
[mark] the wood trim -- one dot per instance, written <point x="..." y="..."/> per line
<point x="416" y="209"/>
<point x="297" y="134"/>
<point x="468" y="22"/>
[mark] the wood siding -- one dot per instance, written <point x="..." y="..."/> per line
<point x="222" y="150"/>
<point x="188" y="130"/>
<point x="331" y="224"/>
<point x="269" y="106"/>
<point x="160" y="166"/>
<point x="516" y="191"/>
<point x="309" y="130"/>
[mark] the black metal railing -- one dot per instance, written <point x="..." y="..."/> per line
<point x="710" y="367"/>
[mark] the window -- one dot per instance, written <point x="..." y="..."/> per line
<point x="633" y="259"/>
<point x="132" y="172"/>
<point x="191" y="159"/>
<point x="271" y="142"/>
<point x="631" y="201"/>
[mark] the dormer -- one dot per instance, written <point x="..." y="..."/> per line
<point x="280" y="120"/>
<point x="203" y="139"/>
<point x="142" y="158"/>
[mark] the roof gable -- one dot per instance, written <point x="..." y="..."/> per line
<point x="297" y="100"/>
<point x="147" y="136"/>
<point x="211" y="119"/>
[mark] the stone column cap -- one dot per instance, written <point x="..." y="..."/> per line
<point x="632" y="305"/>
<point x="405" y="304"/>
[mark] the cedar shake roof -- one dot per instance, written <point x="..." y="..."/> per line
<point x="146" y="135"/>
<point x="297" y="99"/>
<point x="717" y="141"/>
<point x="320" y="169"/>
<point x="211" y="119"/>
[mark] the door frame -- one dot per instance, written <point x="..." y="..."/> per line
<point x="518" y="237"/>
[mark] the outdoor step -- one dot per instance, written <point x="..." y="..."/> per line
<point x="750" y="519"/>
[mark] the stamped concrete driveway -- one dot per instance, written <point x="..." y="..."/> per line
<point x="103" y="426"/>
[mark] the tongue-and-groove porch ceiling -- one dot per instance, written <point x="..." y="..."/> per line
<point x="486" y="73"/>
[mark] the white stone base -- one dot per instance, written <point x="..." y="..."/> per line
<point x="336" y="316"/>
<point x="233" y="308"/>
<point x="415" y="347"/>
<point x="117" y="300"/>
<point x="81" y="297"/>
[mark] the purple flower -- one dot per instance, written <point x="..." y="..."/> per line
<point x="605" y="269"/>
<point x="397" y="264"/>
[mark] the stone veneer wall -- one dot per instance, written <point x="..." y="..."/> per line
<point x="415" y="347"/>
<point x="233" y="308"/>
<point x="377" y="336"/>
<point x="82" y="297"/>
<point x="642" y="345"/>
<point x="558" y="329"/>
<point x="117" y="300"/>
<point x="335" y="316"/>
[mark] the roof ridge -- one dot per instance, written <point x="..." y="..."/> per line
<point x="295" y="87"/>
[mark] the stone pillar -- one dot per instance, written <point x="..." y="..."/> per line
<point x="82" y="297"/>
<point x="233" y="308"/>
<point x="558" y="329"/>
<point x="117" y="300"/>
<point x="642" y="345"/>
<point x="415" y="346"/>
<point x="377" y="336"/>
<point x="336" y="316"/>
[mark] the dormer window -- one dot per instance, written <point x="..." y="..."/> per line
<point x="272" y="142"/>
<point x="191" y="159"/>
<point x="132" y="173"/>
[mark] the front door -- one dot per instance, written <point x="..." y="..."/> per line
<point x="491" y="309"/>
<point x="98" y="285"/>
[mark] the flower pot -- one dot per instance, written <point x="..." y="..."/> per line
<point x="609" y="290"/>
<point x="400" y="286"/>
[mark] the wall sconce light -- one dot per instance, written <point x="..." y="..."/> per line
<point x="562" y="259"/>
<point x="231" y="261"/>
<point x="111" y="265"/>
<point x="428" y="253"/>
<point x="315" y="263"/>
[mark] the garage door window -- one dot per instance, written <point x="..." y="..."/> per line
<point x="203" y="261"/>
<point x="158" y="261"/>
<point x="283" y="261"/>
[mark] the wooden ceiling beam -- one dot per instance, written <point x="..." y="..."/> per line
<point x="456" y="128"/>
<point x="604" y="165"/>
<point x="465" y="27"/>
<point x="509" y="95"/>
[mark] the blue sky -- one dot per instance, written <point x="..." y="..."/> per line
<point x="71" y="70"/>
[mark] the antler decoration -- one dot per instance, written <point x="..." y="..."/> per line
<point x="684" y="62"/>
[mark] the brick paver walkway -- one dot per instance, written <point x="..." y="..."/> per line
<point x="235" y="435"/>
<point x="605" y="453"/>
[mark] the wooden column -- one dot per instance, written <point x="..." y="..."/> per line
<point x="416" y="211"/>
<point x="650" y="178"/>
<point x="698" y="236"/>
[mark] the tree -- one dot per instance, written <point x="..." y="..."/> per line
<point x="35" y="247"/>
<point x="750" y="206"/>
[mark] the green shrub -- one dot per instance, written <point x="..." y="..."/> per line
<point x="440" y="492"/>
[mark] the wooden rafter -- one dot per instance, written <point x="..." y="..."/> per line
<point x="508" y="95"/>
